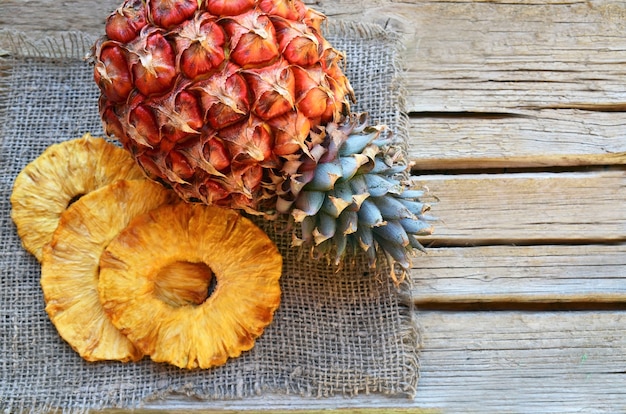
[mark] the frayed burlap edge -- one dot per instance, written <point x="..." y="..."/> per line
<point x="77" y="45"/>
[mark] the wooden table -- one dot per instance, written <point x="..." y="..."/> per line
<point x="518" y="127"/>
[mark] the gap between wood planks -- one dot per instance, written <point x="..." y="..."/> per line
<point x="514" y="141"/>
<point x="501" y="258"/>
<point x="533" y="278"/>
<point x="557" y="295"/>
<point x="491" y="170"/>
<point x="519" y="306"/>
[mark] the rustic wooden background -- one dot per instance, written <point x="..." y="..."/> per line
<point x="518" y="126"/>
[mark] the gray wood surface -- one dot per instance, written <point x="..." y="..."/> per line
<point x="518" y="129"/>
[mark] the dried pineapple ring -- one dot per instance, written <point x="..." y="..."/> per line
<point x="69" y="269"/>
<point x="60" y="175"/>
<point x="244" y="261"/>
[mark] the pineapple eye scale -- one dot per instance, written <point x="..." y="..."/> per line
<point x="208" y="48"/>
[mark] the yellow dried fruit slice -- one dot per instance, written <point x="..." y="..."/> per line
<point x="69" y="268"/>
<point x="157" y="251"/>
<point x="60" y="175"/>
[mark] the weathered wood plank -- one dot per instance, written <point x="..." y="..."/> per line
<point x="494" y="362"/>
<point x="528" y="208"/>
<point x="55" y="16"/>
<point x="523" y="362"/>
<point x="49" y="16"/>
<point x="460" y="56"/>
<point x="545" y="138"/>
<point x="486" y="57"/>
<point x="590" y="274"/>
<point x="290" y="408"/>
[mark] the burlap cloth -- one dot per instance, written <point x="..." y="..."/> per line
<point x="335" y="333"/>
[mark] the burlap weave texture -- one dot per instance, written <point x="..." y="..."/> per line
<point x="335" y="333"/>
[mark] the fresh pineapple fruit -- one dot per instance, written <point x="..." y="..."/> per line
<point x="70" y="266"/>
<point x="60" y="175"/>
<point x="208" y="95"/>
<point x="243" y="104"/>
<point x="155" y="280"/>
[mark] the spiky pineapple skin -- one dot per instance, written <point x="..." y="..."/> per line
<point x="212" y="97"/>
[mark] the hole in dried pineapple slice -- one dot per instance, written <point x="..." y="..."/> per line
<point x="184" y="283"/>
<point x="74" y="199"/>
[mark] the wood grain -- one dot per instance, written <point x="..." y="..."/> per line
<point x="530" y="139"/>
<point x="583" y="274"/>
<point x="538" y="208"/>
<point x="485" y="362"/>
<point x="460" y="56"/>
<point x="486" y="57"/>
<point x="505" y="136"/>
<point x="492" y="362"/>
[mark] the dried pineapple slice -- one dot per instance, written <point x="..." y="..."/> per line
<point x="157" y="249"/>
<point x="69" y="268"/>
<point x="60" y="175"/>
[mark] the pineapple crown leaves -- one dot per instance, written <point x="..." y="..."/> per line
<point x="356" y="198"/>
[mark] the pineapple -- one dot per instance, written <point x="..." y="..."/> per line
<point x="350" y="193"/>
<point x="70" y="266"/>
<point x="183" y="283"/>
<point x="208" y="95"/>
<point x="243" y="104"/>
<point x="156" y="277"/>
<point x="59" y="176"/>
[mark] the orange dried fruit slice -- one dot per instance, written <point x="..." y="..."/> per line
<point x="69" y="268"/>
<point x="234" y="258"/>
<point x="60" y="175"/>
